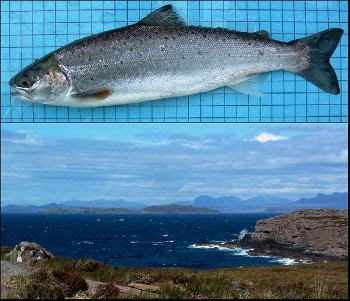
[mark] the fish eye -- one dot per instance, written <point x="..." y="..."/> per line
<point x="25" y="82"/>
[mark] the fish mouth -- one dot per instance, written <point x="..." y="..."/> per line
<point x="22" y="93"/>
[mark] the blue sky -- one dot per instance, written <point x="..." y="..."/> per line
<point x="163" y="163"/>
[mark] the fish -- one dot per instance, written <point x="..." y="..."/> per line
<point x="162" y="57"/>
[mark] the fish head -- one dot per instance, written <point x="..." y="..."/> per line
<point x="43" y="81"/>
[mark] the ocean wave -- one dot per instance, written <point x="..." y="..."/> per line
<point x="290" y="261"/>
<point x="83" y="242"/>
<point x="236" y="250"/>
<point x="245" y="252"/>
<point x="157" y="243"/>
<point x="243" y="233"/>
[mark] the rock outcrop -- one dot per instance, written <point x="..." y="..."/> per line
<point x="29" y="252"/>
<point x="314" y="234"/>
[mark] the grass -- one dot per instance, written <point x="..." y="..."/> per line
<point x="322" y="280"/>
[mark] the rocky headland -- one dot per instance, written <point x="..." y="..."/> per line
<point x="307" y="234"/>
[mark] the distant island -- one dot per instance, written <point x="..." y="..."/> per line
<point x="163" y="209"/>
<point x="202" y="204"/>
<point x="178" y="209"/>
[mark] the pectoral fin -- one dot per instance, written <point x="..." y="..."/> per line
<point x="95" y="94"/>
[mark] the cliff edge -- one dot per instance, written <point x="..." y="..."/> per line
<point x="316" y="234"/>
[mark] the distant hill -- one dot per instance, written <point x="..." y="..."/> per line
<point x="335" y="200"/>
<point x="224" y="204"/>
<point x="62" y="209"/>
<point x="174" y="208"/>
<point x="231" y="204"/>
<point x="86" y="210"/>
<point x="105" y="204"/>
<point x="31" y="208"/>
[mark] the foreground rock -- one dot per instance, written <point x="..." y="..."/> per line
<point x="8" y="270"/>
<point x="29" y="252"/>
<point x="313" y="234"/>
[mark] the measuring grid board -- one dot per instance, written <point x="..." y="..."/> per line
<point x="31" y="29"/>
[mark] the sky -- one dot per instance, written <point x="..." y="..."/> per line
<point x="164" y="163"/>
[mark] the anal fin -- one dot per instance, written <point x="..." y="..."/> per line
<point x="250" y="85"/>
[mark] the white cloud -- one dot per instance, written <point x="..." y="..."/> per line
<point x="265" y="137"/>
<point x="24" y="137"/>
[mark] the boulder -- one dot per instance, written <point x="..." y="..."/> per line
<point x="29" y="252"/>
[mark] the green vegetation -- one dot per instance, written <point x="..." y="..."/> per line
<point x="3" y="251"/>
<point x="59" y="276"/>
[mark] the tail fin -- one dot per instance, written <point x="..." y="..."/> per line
<point x="320" y="71"/>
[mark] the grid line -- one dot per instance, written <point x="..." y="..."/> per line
<point x="31" y="29"/>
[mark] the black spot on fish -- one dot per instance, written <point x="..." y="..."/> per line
<point x="183" y="57"/>
<point x="249" y="43"/>
<point x="150" y="36"/>
<point x="199" y="52"/>
<point x="229" y="55"/>
<point x="261" y="52"/>
<point x="166" y="37"/>
<point x="204" y="36"/>
<point x="124" y="42"/>
<point x="131" y="49"/>
<point x="121" y="62"/>
<point x="91" y="78"/>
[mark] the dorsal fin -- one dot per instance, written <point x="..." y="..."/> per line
<point x="164" y="16"/>
<point x="263" y="34"/>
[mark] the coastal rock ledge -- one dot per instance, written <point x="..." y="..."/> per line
<point x="316" y="234"/>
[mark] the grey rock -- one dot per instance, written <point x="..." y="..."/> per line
<point x="29" y="252"/>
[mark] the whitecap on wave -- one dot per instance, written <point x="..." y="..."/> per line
<point x="244" y="252"/>
<point x="83" y="242"/>
<point x="237" y="250"/>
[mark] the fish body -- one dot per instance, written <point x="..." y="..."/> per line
<point x="160" y="57"/>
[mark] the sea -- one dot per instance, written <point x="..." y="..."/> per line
<point x="141" y="240"/>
